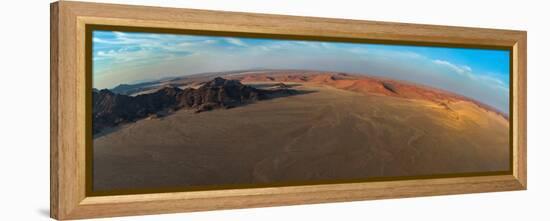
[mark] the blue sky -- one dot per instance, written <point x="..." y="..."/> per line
<point x="125" y="57"/>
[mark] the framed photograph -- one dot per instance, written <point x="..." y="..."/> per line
<point x="161" y="110"/>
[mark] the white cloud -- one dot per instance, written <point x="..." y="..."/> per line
<point x="315" y="44"/>
<point x="369" y="53"/>
<point x="309" y="44"/>
<point x="461" y="69"/>
<point x="270" y="47"/>
<point x="99" y="40"/>
<point x="124" y="55"/>
<point x="210" y="41"/>
<point x="493" y="82"/>
<point x="190" y="44"/>
<point x="235" y="41"/>
<point x="485" y="79"/>
<point x="186" y="44"/>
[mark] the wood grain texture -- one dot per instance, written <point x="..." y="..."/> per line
<point x="54" y="129"/>
<point x="68" y="115"/>
<point x="521" y="114"/>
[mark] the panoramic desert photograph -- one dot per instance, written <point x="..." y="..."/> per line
<point x="192" y="111"/>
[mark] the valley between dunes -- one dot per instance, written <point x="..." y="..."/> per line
<point x="328" y="135"/>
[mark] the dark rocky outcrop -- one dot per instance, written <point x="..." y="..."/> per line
<point x="389" y="87"/>
<point x="280" y="85"/>
<point x="128" y="89"/>
<point x="111" y="109"/>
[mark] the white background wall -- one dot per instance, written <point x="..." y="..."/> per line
<point x="24" y="109"/>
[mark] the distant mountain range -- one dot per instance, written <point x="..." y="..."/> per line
<point x="179" y="81"/>
<point x="111" y="108"/>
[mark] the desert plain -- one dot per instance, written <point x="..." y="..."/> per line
<point x="346" y="127"/>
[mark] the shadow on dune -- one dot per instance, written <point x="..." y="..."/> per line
<point x="290" y="92"/>
<point x="274" y="85"/>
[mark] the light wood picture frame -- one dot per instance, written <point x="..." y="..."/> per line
<point x="70" y="103"/>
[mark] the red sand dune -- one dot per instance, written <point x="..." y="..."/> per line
<point x="364" y="84"/>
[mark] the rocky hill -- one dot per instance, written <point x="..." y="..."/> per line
<point x="111" y="109"/>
